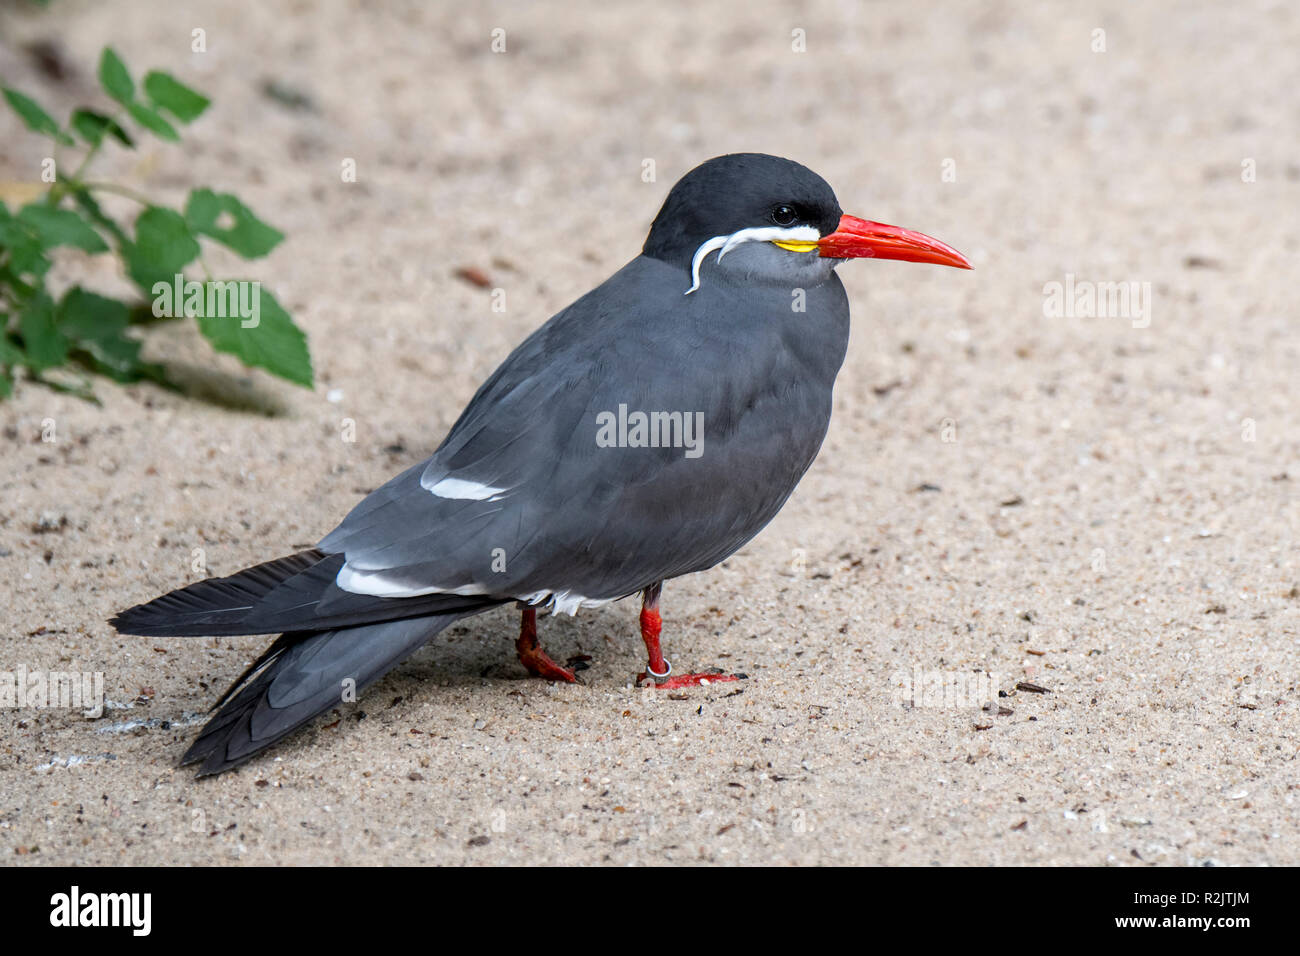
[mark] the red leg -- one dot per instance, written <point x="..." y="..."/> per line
<point x="533" y="657"/>
<point x="658" y="671"/>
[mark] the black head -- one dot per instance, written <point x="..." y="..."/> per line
<point x="739" y="191"/>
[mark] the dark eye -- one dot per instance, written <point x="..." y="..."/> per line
<point x="784" y="215"/>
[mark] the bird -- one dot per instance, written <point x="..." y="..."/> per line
<point x="645" y="432"/>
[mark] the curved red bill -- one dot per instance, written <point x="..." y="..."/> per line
<point x="861" y="239"/>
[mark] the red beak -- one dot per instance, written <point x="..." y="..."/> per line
<point x="860" y="239"/>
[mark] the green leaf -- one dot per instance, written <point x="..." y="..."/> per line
<point x="118" y="358"/>
<point x="163" y="247"/>
<point x="275" y="344"/>
<point x="92" y="126"/>
<point x="152" y="120"/>
<point x="84" y="316"/>
<point x="26" y="253"/>
<point x="175" y="97"/>
<point x="96" y="325"/>
<point x="10" y="353"/>
<point x="27" y="258"/>
<point x="35" y="118"/>
<point x="61" y="227"/>
<point x="114" y="78"/>
<point x="44" y="345"/>
<point x="21" y="290"/>
<point x="227" y="220"/>
<point x="90" y="207"/>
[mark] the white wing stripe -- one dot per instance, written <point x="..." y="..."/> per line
<point x="375" y="584"/>
<point x="464" y="490"/>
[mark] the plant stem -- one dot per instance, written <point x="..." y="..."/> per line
<point x="118" y="190"/>
<point x="74" y="180"/>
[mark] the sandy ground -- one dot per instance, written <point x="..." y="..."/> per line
<point x="1103" y="510"/>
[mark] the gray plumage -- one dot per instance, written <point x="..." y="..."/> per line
<point x="543" y="508"/>
<point x="607" y="522"/>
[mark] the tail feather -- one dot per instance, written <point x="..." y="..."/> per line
<point x="211" y="607"/>
<point x="294" y="593"/>
<point x="276" y="647"/>
<point x="303" y="676"/>
<point x="330" y="636"/>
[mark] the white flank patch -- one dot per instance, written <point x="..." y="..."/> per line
<point x="562" y="602"/>
<point x="375" y="584"/>
<point x="754" y="234"/>
<point x="464" y="490"/>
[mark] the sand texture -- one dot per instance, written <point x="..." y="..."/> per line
<point x="1103" y="506"/>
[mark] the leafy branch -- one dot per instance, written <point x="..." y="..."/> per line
<point x="91" y="332"/>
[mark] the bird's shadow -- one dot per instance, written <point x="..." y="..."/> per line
<point x="483" y="647"/>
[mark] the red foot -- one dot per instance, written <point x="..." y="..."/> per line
<point x="531" y="655"/>
<point x="675" y="681"/>
<point x="651" y="627"/>
<point x="540" y="665"/>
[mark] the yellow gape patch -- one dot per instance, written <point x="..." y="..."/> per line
<point x="795" y="246"/>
